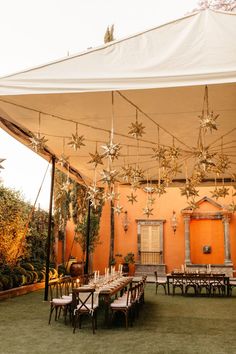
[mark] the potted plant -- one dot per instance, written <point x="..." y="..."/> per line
<point x="128" y="264"/>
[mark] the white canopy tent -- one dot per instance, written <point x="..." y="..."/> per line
<point x="161" y="73"/>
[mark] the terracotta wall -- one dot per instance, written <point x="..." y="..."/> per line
<point x="203" y="232"/>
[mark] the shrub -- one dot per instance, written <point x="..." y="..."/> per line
<point x="27" y="266"/>
<point x="19" y="270"/>
<point x="41" y="275"/>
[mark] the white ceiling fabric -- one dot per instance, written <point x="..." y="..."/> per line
<point x="163" y="71"/>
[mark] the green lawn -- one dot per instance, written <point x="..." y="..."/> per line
<point x="167" y="324"/>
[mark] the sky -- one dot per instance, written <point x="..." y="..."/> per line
<point x="35" y="32"/>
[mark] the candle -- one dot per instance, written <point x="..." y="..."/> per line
<point x="77" y="282"/>
<point x="98" y="274"/>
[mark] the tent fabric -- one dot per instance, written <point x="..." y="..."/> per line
<point x="195" y="50"/>
<point x="162" y="72"/>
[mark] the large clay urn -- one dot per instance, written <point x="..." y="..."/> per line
<point x="76" y="269"/>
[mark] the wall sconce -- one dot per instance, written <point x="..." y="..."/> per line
<point x="174" y="222"/>
<point x="125" y="221"/>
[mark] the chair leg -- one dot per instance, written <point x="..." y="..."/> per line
<point x="93" y="326"/>
<point x="50" y="315"/>
<point x="126" y="320"/>
<point x="95" y="315"/>
<point x="75" y="322"/>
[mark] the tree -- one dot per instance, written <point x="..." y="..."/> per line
<point x="37" y="237"/>
<point x="81" y="231"/>
<point x="13" y="217"/>
<point x="61" y="207"/>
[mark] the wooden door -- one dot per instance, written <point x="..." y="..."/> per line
<point x="150" y="250"/>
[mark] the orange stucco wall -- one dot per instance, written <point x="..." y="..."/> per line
<point x="202" y="232"/>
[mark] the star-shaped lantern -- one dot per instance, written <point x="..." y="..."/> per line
<point x="111" y="150"/>
<point x="220" y="192"/>
<point x="132" y="198"/>
<point x="136" y="130"/>
<point x="174" y="152"/>
<point x="38" y="142"/>
<point x="110" y="196"/>
<point x="135" y="184"/>
<point x="208" y="121"/>
<point x="118" y="209"/>
<point x="147" y="211"/>
<point x="159" y="153"/>
<point x="160" y="189"/>
<point x="137" y="173"/>
<point x="205" y="158"/>
<point x="96" y="159"/>
<point x="232" y="207"/>
<point x="126" y="173"/>
<point x="223" y="191"/>
<point x="109" y="176"/>
<point x="189" y="190"/>
<point x="94" y="195"/>
<point x="222" y="164"/>
<point x="76" y="141"/>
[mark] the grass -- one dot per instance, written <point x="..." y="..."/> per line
<point x="167" y="324"/>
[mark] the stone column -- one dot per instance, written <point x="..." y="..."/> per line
<point x="187" y="238"/>
<point x="227" y="239"/>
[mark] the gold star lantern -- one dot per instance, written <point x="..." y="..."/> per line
<point x="132" y="198"/>
<point x="147" y="211"/>
<point x="76" y="141"/>
<point x="38" y="142"/>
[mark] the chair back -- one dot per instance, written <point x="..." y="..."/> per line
<point x="66" y="285"/>
<point x="83" y="299"/>
<point x="54" y="289"/>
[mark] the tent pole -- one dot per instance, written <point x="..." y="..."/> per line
<point x="49" y="230"/>
<point x="87" y="239"/>
<point x="112" y="234"/>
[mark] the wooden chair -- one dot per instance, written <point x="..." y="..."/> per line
<point x="178" y="281"/>
<point x="232" y="284"/>
<point x="191" y="282"/>
<point x="84" y="303"/>
<point x="217" y="284"/>
<point x="59" y="299"/>
<point x="124" y="304"/>
<point x="204" y="282"/>
<point x="160" y="281"/>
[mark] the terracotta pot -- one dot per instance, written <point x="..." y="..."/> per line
<point x="131" y="269"/>
<point x="76" y="269"/>
<point x="125" y="268"/>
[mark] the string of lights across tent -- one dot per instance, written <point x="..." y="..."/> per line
<point x="114" y="163"/>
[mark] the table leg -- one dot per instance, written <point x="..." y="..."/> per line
<point x="168" y="286"/>
<point x="107" y="305"/>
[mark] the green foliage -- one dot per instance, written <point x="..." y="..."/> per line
<point x="61" y="203"/>
<point x="27" y="266"/>
<point x="21" y="238"/>
<point x="129" y="258"/>
<point x="81" y="232"/>
<point x="13" y="216"/>
<point x="36" y="240"/>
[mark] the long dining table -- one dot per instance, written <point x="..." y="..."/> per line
<point x="112" y="289"/>
<point x="106" y="288"/>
